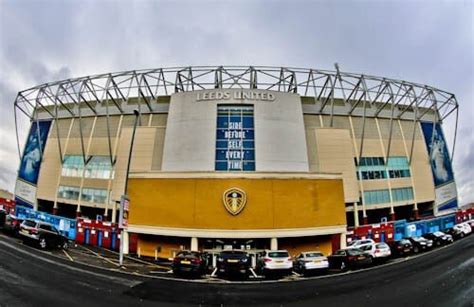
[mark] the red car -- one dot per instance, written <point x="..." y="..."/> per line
<point x="12" y="224"/>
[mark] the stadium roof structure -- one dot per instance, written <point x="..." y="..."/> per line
<point x="109" y="93"/>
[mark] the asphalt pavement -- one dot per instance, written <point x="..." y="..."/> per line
<point x="444" y="277"/>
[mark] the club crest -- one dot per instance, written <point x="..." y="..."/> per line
<point x="234" y="200"/>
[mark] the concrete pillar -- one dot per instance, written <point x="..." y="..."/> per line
<point x="114" y="213"/>
<point x="356" y="216"/>
<point x="416" y="214"/>
<point x="55" y="210"/>
<point x="343" y="240"/>
<point x="194" y="244"/>
<point x="274" y="243"/>
<point x="392" y="216"/>
<point x="125" y="242"/>
<point x="365" y="220"/>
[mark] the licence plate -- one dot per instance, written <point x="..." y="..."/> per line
<point x="24" y="231"/>
<point x="361" y="257"/>
<point x="406" y="250"/>
<point x="317" y="261"/>
<point x="279" y="261"/>
<point x="233" y="260"/>
<point x="185" y="262"/>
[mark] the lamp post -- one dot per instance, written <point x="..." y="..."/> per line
<point x="124" y="199"/>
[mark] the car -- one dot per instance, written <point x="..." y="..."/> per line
<point x="359" y="243"/>
<point x="456" y="233"/>
<point x="189" y="263"/>
<point x="232" y="263"/>
<point x="308" y="262"/>
<point x="43" y="234"/>
<point x="3" y="215"/>
<point x="471" y="223"/>
<point x="401" y="248"/>
<point x="12" y="224"/>
<point x="420" y="244"/>
<point x="439" y="238"/>
<point x="464" y="227"/>
<point x="349" y="258"/>
<point x="380" y="252"/>
<point x="275" y="262"/>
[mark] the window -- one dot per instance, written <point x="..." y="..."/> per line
<point x="235" y="145"/>
<point x="96" y="167"/>
<point x="376" y="197"/>
<point x="398" y="167"/>
<point x="68" y="192"/>
<point x="94" y="195"/>
<point x="402" y="194"/>
<point x="374" y="168"/>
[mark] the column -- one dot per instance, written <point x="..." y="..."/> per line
<point x="194" y="244"/>
<point x="125" y="242"/>
<point x="356" y="215"/>
<point x="343" y="240"/>
<point x="274" y="243"/>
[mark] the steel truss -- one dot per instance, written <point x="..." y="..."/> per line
<point x="114" y="91"/>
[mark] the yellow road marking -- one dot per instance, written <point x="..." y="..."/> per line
<point x="101" y="257"/>
<point x="65" y="253"/>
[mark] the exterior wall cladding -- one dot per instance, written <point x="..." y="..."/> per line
<point x="288" y="138"/>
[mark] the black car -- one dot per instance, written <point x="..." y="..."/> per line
<point x="12" y="224"/>
<point x="455" y="233"/>
<point x="3" y="215"/>
<point x="233" y="263"/>
<point x="349" y="258"/>
<point x="43" y="234"/>
<point x="401" y="248"/>
<point x="420" y="244"/>
<point x="190" y="263"/>
<point x="439" y="238"/>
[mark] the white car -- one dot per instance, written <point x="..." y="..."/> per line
<point x="310" y="262"/>
<point x="275" y="261"/>
<point x="378" y="251"/>
<point x="360" y="243"/>
<point x="464" y="227"/>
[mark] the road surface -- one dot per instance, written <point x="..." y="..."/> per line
<point x="444" y="277"/>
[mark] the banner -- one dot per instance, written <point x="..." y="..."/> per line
<point x="443" y="176"/>
<point x="25" y="190"/>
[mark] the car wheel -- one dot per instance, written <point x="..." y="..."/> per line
<point x="42" y="243"/>
<point x="416" y="250"/>
<point x="462" y="235"/>
<point x="343" y="266"/>
<point x="65" y="245"/>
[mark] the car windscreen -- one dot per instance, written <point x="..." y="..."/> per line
<point x="404" y="241"/>
<point x="354" y="252"/>
<point x="187" y="254"/>
<point x="278" y="254"/>
<point x="29" y="223"/>
<point x="310" y="255"/>
<point x="381" y="245"/>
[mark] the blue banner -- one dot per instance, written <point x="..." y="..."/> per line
<point x="443" y="176"/>
<point x="32" y="155"/>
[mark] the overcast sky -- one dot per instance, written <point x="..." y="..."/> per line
<point x="427" y="41"/>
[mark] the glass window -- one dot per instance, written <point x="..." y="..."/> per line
<point x="68" y="192"/>
<point x="94" y="195"/>
<point x="97" y="167"/>
<point x="376" y="197"/>
<point x="235" y="145"/>
<point x="402" y="194"/>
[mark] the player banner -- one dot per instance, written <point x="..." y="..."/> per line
<point x="25" y="189"/>
<point x="443" y="176"/>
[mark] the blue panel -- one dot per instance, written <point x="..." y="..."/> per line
<point x="249" y="166"/>
<point x="222" y="144"/>
<point x="247" y="121"/>
<point x="221" y="166"/>
<point x="222" y="122"/>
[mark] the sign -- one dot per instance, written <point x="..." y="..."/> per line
<point x="443" y="176"/>
<point x="236" y="95"/>
<point x="235" y="145"/>
<point x="25" y="190"/>
<point x="124" y="207"/>
<point x="235" y="200"/>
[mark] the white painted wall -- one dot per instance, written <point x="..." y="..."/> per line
<point x="190" y="140"/>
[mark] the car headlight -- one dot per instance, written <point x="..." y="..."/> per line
<point x="244" y="260"/>
<point x="423" y="243"/>
<point x="220" y="259"/>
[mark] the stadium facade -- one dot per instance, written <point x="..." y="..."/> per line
<point x="243" y="157"/>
